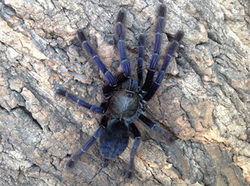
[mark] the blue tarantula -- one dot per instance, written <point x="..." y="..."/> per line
<point x="125" y="96"/>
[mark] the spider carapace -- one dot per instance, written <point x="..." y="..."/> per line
<point x="125" y="96"/>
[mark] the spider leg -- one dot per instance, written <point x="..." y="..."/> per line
<point x="137" y="141"/>
<point x="121" y="44"/>
<point x="108" y="75"/>
<point x="141" y="43"/>
<point x="90" y="142"/>
<point x="173" y="47"/>
<point x="82" y="103"/>
<point x="85" y="147"/>
<point x="157" y="47"/>
<point x="152" y="125"/>
<point x="121" y="78"/>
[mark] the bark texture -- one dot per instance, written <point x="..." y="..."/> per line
<point x="204" y="98"/>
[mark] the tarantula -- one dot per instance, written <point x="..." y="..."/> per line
<point x="125" y="96"/>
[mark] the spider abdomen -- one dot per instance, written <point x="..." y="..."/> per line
<point x="124" y="104"/>
<point x="114" y="140"/>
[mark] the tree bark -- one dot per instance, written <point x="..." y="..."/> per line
<point x="204" y="98"/>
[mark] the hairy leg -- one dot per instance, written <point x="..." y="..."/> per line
<point x="82" y="103"/>
<point x="121" y="44"/>
<point x="157" y="47"/>
<point x="108" y="75"/>
<point x="173" y="47"/>
<point x="137" y="141"/>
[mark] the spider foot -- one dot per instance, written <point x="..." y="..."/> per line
<point x="162" y="10"/>
<point x="105" y="162"/>
<point x="61" y="92"/>
<point x="81" y="35"/>
<point x="121" y="16"/>
<point x="128" y="175"/>
<point x="170" y="138"/>
<point x="70" y="163"/>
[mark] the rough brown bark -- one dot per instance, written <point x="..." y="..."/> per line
<point x="204" y="99"/>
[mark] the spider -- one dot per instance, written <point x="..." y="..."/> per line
<point x="125" y="97"/>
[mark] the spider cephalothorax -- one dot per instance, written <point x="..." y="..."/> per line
<point x="125" y="96"/>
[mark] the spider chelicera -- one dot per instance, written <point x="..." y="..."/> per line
<point x="125" y="96"/>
